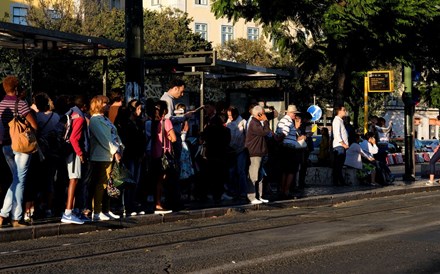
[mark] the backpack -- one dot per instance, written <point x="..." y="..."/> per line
<point x="67" y="121"/>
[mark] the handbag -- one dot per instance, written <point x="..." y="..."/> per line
<point x="22" y="135"/>
<point x="119" y="175"/>
<point x="167" y="159"/>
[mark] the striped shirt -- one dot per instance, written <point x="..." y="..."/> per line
<point x="286" y="126"/>
<point x="7" y="106"/>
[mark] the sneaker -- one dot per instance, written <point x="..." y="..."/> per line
<point x="162" y="211"/>
<point x="226" y="197"/>
<point x="100" y="217"/>
<point x="263" y="200"/>
<point x="256" y="202"/>
<point x="71" y="219"/>
<point x="134" y="213"/>
<point x="84" y="218"/>
<point x="112" y="216"/>
<point x="27" y="217"/>
<point x="141" y="212"/>
<point x="429" y="183"/>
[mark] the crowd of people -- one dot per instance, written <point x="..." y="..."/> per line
<point x="170" y="156"/>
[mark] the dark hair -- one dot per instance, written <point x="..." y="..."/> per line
<point x="338" y="108"/>
<point x="234" y="111"/>
<point x="176" y="83"/>
<point x="133" y="104"/>
<point x="80" y="101"/>
<point x="115" y="95"/>
<point x="42" y="101"/>
<point x="369" y="135"/>
<point x="162" y="108"/>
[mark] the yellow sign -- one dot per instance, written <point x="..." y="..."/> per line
<point x="380" y="81"/>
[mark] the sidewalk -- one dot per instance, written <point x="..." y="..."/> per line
<point x="310" y="197"/>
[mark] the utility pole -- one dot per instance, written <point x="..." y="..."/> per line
<point x="134" y="50"/>
<point x="410" y="170"/>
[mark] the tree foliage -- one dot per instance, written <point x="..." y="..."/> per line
<point x="350" y="35"/>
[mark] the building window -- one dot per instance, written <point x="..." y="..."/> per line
<point x="202" y="29"/>
<point x="155" y="2"/>
<point x="115" y="4"/>
<point x="227" y="33"/>
<point x="19" y="15"/>
<point x="53" y="14"/>
<point x="201" y="2"/>
<point x="252" y="33"/>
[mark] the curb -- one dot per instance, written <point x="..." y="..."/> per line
<point x="57" y="229"/>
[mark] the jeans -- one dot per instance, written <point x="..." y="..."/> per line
<point x="18" y="164"/>
<point x="338" y="163"/>
<point x="238" y="174"/>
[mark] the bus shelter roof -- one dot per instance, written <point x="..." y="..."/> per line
<point x="206" y="62"/>
<point x="27" y="37"/>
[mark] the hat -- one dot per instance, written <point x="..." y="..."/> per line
<point x="292" y="108"/>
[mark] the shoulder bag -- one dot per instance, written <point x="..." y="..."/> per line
<point x="22" y="135"/>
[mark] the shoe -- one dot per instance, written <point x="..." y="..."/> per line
<point x="16" y="223"/>
<point x="71" y="219"/>
<point x="256" y="202"/>
<point x="141" y="212"/>
<point x="112" y="216"/>
<point x="134" y="213"/>
<point x="100" y="217"/>
<point x="49" y="213"/>
<point x="162" y="211"/>
<point x="27" y="217"/>
<point x="226" y="197"/>
<point x="84" y="218"/>
<point x="263" y="200"/>
<point x="429" y="183"/>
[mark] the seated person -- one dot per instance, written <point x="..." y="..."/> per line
<point x="353" y="159"/>
<point x="369" y="146"/>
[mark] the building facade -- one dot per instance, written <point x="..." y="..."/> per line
<point x="15" y="11"/>
<point x="217" y="31"/>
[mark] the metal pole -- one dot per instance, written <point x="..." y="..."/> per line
<point x="409" y="128"/>
<point x="365" y="104"/>
<point x="134" y="51"/>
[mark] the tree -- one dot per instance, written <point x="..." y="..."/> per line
<point x="168" y="31"/>
<point x="351" y="35"/>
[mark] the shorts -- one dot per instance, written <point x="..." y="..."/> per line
<point x="73" y="166"/>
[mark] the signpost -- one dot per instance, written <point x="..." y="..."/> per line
<point x="376" y="81"/>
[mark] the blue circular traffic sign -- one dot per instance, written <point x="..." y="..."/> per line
<point x="315" y="111"/>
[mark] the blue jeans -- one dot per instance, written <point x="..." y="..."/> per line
<point x="18" y="164"/>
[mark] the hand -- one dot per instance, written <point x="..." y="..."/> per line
<point x="81" y="158"/>
<point x="118" y="157"/>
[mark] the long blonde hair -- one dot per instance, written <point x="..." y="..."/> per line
<point x="97" y="104"/>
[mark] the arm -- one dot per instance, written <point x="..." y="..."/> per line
<point x="77" y="129"/>
<point x="31" y="119"/>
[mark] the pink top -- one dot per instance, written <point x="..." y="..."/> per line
<point x="156" y="151"/>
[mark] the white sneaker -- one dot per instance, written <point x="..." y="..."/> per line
<point x="429" y="183"/>
<point x="100" y="217"/>
<point x="134" y="213"/>
<point x="71" y="219"/>
<point x="162" y="211"/>
<point x="112" y="216"/>
<point x="263" y="200"/>
<point x="141" y="212"/>
<point x="256" y="202"/>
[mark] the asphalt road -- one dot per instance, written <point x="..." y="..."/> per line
<point x="398" y="234"/>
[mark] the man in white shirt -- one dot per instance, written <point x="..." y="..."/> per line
<point x="340" y="145"/>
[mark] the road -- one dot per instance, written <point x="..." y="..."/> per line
<point x="399" y="234"/>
